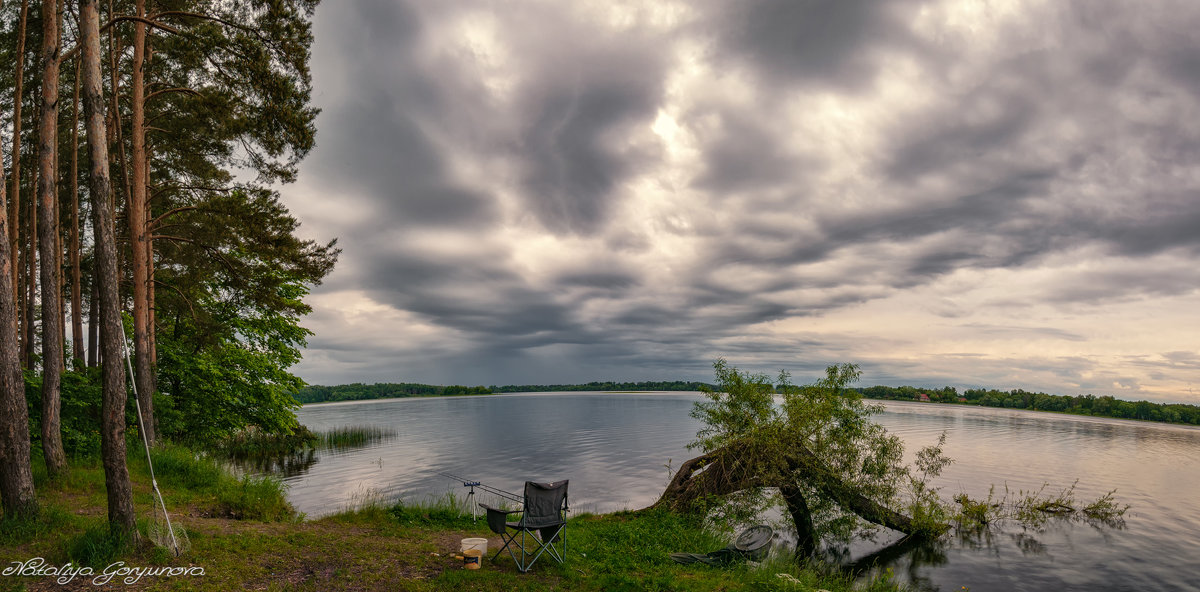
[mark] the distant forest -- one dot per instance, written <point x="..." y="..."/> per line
<point x="1105" y="406"/>
<point x="359" y="391"/>
<point x="666" y="385"/>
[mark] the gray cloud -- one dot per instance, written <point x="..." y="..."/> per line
<point x="818" y="42"/>
<point x="1049" y="168"/>
<point x="572" y="145"/>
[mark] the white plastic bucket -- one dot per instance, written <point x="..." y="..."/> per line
<point x="478" y="544"/>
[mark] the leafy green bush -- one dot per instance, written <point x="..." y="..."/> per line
<point x="79" y="413"/>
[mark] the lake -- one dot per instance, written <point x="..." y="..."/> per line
<point x="618" y="451"/>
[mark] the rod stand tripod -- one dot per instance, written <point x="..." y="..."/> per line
<point x="471" y="496"/>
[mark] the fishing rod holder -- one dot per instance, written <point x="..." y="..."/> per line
<point x="471" y="496"/>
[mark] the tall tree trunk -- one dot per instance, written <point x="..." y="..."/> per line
<point x="16" y="475"/>
<point x="116" y="473"/>
<point x="115" y="50"/>
<point x="58" y="229"/>
<point x="77" y="344"/>
<point x="60" y="294"/>
<point x="93" y="357"/>
<point x="14" y="212"/>
<point x="29" y="277"/>
<point x="31" y="261"/>
<point x="47" y="189"/>
<point x="137" y="227"/>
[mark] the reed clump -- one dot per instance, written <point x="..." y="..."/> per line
<point x="252" y="443"/>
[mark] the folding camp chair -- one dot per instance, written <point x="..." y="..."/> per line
<point x="543" y="519"/>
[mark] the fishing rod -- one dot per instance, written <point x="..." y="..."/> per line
<point x="471" y="483"/>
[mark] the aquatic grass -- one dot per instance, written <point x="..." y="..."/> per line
<point x="253" y="442"/>
<point x="267" y="449"/>
<point x="344" y="437"/>
<point x="1106" y="509"/>
<point x="1033" y="509"/>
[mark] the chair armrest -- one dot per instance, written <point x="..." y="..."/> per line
<point x="502" y="511"/>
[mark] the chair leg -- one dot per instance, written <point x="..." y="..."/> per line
<point x="508" y="540"/>
<point x="545" y="544"/>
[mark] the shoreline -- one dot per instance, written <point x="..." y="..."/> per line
<point x="240" y="542"/>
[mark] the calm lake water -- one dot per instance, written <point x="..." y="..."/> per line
<point x="615" y="449"/>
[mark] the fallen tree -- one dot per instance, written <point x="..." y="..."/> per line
<point x="725" y="471"/>
<point x="832" y="467"/>
<point x="836" y="472"/>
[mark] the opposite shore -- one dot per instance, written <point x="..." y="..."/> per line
<point x="1084" y="405"/>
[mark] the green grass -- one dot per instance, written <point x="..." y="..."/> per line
<point x="194" y="478"/>
<point x="375" y="545"/>
<point x="98" y="547"/>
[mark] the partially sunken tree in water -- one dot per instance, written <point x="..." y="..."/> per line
<point x="837" y="473"/>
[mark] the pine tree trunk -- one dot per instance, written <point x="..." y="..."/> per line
<point x="137" y="228"/>
<point x="14" y="205"/>
<point x="93" y="357"/>
<point x="47" y="201"/>
<point x="16" y="475"/>
<point x="116" y="473"/>
<point x="29" y="269"/>
<point x="31" y="260"/>
<point x="77" y="344"/>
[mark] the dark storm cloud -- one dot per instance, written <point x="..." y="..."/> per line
<point x="817" y="42"/>
<point x="1009" y="187"/>
<point x="1092" y="83"/>
<point x="479" y="297"/>
<point x="579" y="113"/>
<point x="374" y="139"/>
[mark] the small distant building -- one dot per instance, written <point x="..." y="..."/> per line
<point x="962" y="399"/>
<point x="923" y="397"/>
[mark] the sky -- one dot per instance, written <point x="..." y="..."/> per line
<point x="1000" y="194"/>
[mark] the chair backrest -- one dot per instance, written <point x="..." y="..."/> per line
<point x="545" y="504"/>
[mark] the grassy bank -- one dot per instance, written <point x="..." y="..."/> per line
<point x="244" y="535"/>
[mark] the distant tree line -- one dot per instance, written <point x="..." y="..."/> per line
<point x="650" y="385"/>
<point x="1105" y="406"/>
<point x="359" y="391"/>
